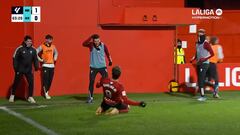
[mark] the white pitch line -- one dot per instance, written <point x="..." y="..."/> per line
<point x="26" y="107"/>
<point x="29" y="121"/>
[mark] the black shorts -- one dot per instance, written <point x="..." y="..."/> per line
<point x="201" y="72"/>
<point x="212" y="72"/>
<point x="120" y="106"/>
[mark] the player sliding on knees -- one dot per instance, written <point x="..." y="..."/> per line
<point x="115" y="100"/>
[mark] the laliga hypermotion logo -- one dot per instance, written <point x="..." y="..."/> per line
<point x="207" y="13"/>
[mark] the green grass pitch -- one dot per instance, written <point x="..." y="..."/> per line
<point x="165" y="114"/>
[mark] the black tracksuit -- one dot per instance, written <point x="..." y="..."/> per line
<point x="23" y="59"/>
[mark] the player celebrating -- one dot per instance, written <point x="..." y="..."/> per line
<point x="114" y="95"/>
<point x="203" y="53"/>
<point x="98" y="50"/>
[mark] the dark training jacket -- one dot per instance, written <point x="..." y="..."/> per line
<point x="23" y="58"/>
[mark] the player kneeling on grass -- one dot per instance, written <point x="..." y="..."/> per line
<point x="115" y="100"/>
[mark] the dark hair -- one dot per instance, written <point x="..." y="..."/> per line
<point x="48" y="36"/>
<point x="116" y="72"/>
<point x="213" y="40"/>
<point x="27" y="37"/>
<point x="95" y="36"/>
<point x="178" y="40"/>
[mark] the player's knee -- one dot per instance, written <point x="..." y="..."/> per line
<point x="114" y="111"/>
<point x="99" y="111"/>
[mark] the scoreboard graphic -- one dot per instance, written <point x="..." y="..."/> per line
<point x="26" y="14"/>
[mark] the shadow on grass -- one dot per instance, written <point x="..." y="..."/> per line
<point x="178" y="94"/>
<point x="81" y="98"/>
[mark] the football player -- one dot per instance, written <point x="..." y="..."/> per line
<point x="115" y="100"/>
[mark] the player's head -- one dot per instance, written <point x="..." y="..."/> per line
<point x="214" y="40"/>
<point x="116" y="72"/>
<point x="96" y="39"/>
<point x="201" y="32"/>
<point x="201" y="35"/>
<point x="208" y="38"/>
<point x="27" y="41"/>
<point x="49" y="39"/>
<point x="179" y="43"/>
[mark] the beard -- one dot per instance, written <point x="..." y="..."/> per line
<point x="201" y="39"/>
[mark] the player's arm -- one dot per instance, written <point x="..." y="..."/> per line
<point x="220" y="54"/>
<point x="128" y="101"/>
<point x="39" y="49"/>
<point x="108" y="55"/>
<point x="15" y="59"/>
<point x="87" y="43"/>
<point x="194" y="58"/>
<point x="35" y="60"/>
<point x="208" y="47"/>
<point x="55" y="56"/>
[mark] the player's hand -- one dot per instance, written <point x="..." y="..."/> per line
<point x="193" y="58"/>
<point x="98" y="85"/>
<point x="202" y="59"/>
<point x="43" y="61"/>
<point x="40" y="60"/>
<point x="191" y="61"/>
<point x="110" y="63"/>
<point x="143" y="104"/>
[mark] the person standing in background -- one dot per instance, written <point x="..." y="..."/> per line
<point x="180" y="53"/>
<point x="23" y="58"/>
<point x="212" y="72"/>
<point x="49" y="55"/>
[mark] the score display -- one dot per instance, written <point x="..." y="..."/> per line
<point x="26" y="14"/>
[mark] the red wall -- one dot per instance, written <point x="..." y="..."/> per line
<point x="144" y="53"/>
<point x="10" y="36"/>
<point x="138" y="51"/>
<point x="141" y="52"/>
